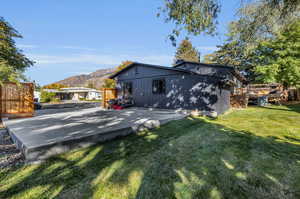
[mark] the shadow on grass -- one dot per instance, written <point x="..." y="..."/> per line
<point x="293" y="139"/>
<point x="191" y="158"/>
<point x="292" y="108"/>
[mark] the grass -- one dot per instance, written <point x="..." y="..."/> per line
<point x="252" y="153"/>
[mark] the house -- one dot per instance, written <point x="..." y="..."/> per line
<point x="187" y="85"/>
<point x="76" y="93"/>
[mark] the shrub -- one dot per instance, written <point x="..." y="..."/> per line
<point x="47" y="97"/>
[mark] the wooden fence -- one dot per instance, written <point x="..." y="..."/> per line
<point x="108" y="94"/>
<point x="294" y="94"/>
<point x="239" y="98"/>
<point x="17" y="100"/>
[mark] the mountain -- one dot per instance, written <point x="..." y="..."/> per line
<point x="96" y="79"/>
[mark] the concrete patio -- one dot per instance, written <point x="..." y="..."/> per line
<point x="55" y="131"/>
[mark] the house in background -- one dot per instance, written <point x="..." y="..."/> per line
<point x="187" y="85"/>
<point x="76" y="93"/>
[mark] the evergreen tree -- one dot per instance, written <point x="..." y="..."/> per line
<point x="187" y="52"/>
<point x="13" y="62"/>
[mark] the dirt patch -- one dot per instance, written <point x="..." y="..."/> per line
<point x="9" y="154"/>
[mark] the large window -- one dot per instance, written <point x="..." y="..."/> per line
<point x="159" y="86"/>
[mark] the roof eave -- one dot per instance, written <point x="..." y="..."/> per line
<point x="120" y="71"/>
<point x="148" y="65"/>
<point x="239" y="76"/>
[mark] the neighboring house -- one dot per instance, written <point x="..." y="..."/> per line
<point x="187" y="85"/>
<point x="76" y="93"/>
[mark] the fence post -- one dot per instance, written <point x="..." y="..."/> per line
<point x="104" y="98"/>
<point x="0" y="100"/>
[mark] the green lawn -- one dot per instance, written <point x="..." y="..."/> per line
<point x="252" y="153"/>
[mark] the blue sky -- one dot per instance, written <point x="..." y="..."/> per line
<point x="67" y="37"/>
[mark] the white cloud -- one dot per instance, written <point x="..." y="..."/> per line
<point x="99" y="59"/>
<point x="26" y="46"/>
<point x="74" y="58"/>
<point x="153" y="59"/>
<point x="77" y="48"/>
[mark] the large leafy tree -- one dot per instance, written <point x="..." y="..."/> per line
<point x="187" y="52"/>
<point x="238" y="49"/>
<point x="278" y="59"/>
<point x="233" y="53"/>
<point x="230" y="53"/>
<point x="258" y="22"/>
<point x="201" y="16"/>
<point x="13" y="62"/>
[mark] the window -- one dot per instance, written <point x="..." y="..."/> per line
<point x="127" y="88"/>
<point x="158" y="86"/>
<point x="136" y="70"/>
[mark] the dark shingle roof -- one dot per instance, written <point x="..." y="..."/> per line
<point x="235" y="72"/>
<point x="149" y="65"/>
<point x="203" y="64"/>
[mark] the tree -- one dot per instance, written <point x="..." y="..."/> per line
<point x="110" y="83"/>
<point x="123" y="65"/>
<point x="278" y="59"/>
<point x="55" y="86"/>
<point x="231" y="53"/>
<point x="228" y="54"/>
<point x="258" y="22"/>
<point x="187" y="52"/>
<point x="13" y="62"/>
<point x="91" y="85"/>
<point x="193" y="16"/>
<point x="47" y="96"/>
<point x="209" y="58"/>
<point x="200" y="16"/>
<point x="239" y="46"/>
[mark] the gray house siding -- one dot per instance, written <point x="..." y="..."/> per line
<point x="182" y="90"/>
